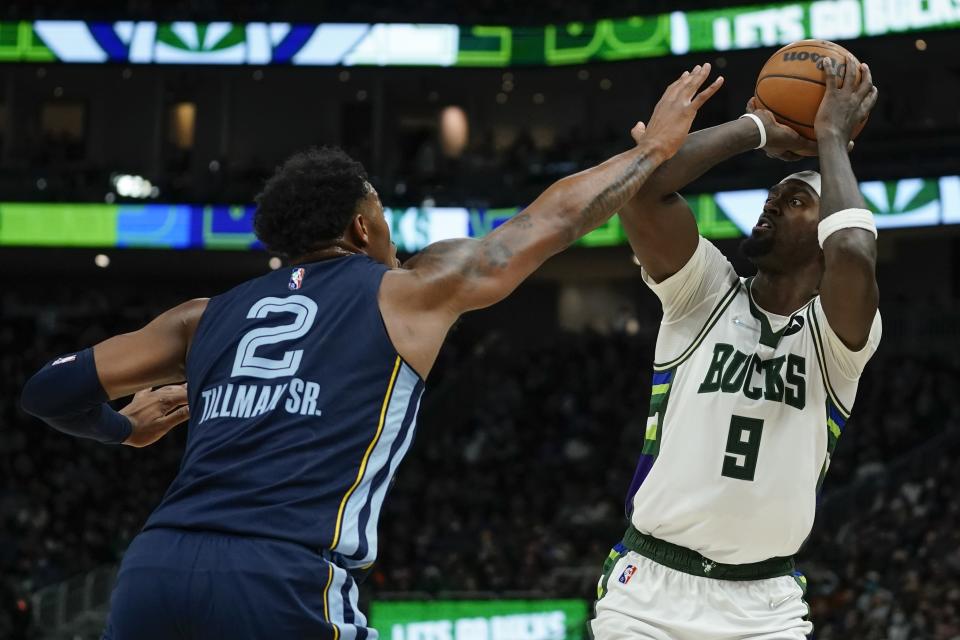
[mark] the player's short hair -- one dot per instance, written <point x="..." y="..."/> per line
<point x="309" y="200"/>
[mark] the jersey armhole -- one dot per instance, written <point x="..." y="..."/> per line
<point x="711" y="321"/>
<point x="386" y="332"/>
<point x="816" y="334"/>
<point x="198" y="332"/>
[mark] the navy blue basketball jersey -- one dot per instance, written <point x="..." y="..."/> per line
<point x="301" y="410"/>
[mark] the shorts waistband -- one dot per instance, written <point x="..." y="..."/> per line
<point x="689" y="561"/>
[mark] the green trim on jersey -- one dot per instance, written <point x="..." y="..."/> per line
<point x="608" y="565"/>
<point x="822" y="361"/>
<point x="712" y="320"/>
<point x="659" y="396"/>
<point x="833" y="437"/>
<point x="769" y="337"/>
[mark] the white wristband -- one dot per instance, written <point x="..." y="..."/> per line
<point x="846" y="219"/>
<point x="763" y="131"/>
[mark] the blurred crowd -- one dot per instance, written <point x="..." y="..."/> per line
<point x="888" y="568"/>
<point x="517" y="485"/>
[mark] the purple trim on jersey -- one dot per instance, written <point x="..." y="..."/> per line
<point x="643" y="470"/>
<point x="647" y="459"/>
<point x="662" y="377"/>
<point x="837" y="416"/>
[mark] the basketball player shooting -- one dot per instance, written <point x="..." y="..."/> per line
<point x="304" y="390"/>
<point x="753" y="382"/>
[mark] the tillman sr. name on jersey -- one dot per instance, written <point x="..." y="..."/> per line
<point x="780" y="379"/>
<point x="249" y="400"/>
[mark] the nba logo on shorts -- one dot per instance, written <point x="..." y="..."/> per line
<point x="296" y="279"/>
<point x="627" y="573"/>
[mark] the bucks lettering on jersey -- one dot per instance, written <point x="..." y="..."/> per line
<point x="746" y="409"/>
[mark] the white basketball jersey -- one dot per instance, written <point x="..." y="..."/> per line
<point x="745" y="412"/>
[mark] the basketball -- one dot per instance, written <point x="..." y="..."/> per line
<point x="791" y="85"/>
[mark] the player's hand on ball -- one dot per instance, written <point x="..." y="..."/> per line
<point x="677" y="108"/>
<point x="154" y="413"/>
<point x="783" y="143"/>
<point x="847" y="105"/>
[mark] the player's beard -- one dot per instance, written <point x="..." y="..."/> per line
<point x="753" y="246"/>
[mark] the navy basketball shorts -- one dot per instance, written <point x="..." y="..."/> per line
<point x="184" y="585"/>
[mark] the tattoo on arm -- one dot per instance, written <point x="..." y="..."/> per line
<point x="493" y="253"/>
<point x="616" y="194"/>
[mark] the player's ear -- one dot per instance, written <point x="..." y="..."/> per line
<point x="358" y="233"/>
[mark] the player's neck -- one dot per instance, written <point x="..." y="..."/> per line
<point x="783" y="293"/>
<point x="338" y="249"/>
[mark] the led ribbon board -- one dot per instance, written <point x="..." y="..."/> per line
<point x="280" y="43"/>
<point x="480" y="619"/>
<point x="912" y="202"/>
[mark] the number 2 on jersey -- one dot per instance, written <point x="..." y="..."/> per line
<point x="743" y="447"/>
<point x="247" y="363"/>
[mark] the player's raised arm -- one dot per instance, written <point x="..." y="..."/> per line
<point x="462" y="275"/>
<point x="848" y="291"/>
<point x="659" y="223"/>
<point x="70" y="393"/>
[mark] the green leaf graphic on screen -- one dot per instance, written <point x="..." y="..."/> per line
<point x="199" y="37"/>
<point x="902" y="196"/>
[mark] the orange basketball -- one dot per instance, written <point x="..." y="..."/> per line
<point x="791" y="86"/>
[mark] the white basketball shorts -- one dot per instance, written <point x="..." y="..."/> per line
<point x="644" y="600"/>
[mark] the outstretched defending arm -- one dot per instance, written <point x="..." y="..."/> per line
<point x="449" y="278"/>
<point x="70" y="393"/>
<point x="659" y="223"/>
<point x="848" y="291"/>
<point x="478" y="273"/>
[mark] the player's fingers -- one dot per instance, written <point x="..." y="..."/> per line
<point x="671" y="89"/>
<point x="680" y="88"/>
<point x="849" y="78"/>
<point x="172" y="395"/>
<point x="866" y="80"/>
<point x="752" y="104"/>
<point x="175" y="417"/>
<point x="829" y="71"/>
<point x="678" y="82"/>
<point x="707" y="93"/>
<point x="867" y="104"/>
<point x="176" y="389"/>
<point x="695" y="80"/>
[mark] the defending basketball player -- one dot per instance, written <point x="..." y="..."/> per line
<point x="753" y="383"/>
<point x="304" y="389"/>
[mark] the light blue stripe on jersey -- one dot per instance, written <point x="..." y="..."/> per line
<point x="354" y="602"/>
<point x="335" y="601"/>
<point x="381" y="492"/>
<point x="403" y="391"/>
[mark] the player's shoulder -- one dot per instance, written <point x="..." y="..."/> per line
<point x="846" y="363"/>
